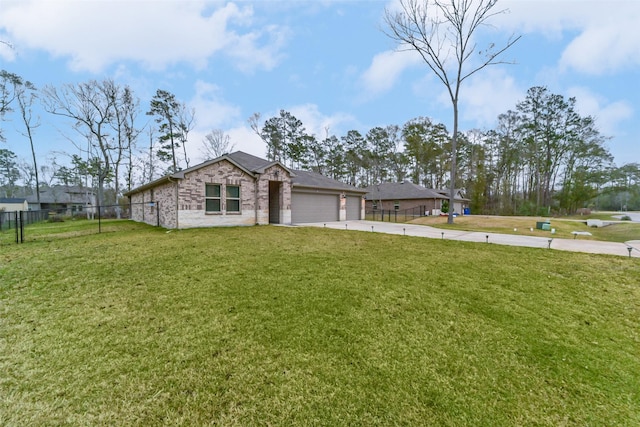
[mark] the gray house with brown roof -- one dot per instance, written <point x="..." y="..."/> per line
<point x="242" y="189"/>
<point x="63" y="197"/>
<point x="407" y="195"/>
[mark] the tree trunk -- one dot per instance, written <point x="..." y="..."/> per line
<point x="454" y="158"/>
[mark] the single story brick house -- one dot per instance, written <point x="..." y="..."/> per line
<point x="406" y="195"/>
<point x="242" y="189"/>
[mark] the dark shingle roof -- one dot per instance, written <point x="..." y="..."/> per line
<point x="400" y="191"/>
<point x="257" y="165"/>
<point x="249" y="161"/>
<point x="63" y="194"/>
<point x="315" y="180"/>
<point x="11" y="200"/>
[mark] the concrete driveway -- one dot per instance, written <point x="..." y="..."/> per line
<point x="575" y="245"/>
<point x="635" y="216"/>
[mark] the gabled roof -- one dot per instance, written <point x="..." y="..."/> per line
<point x="247" y="162"/>
<point x="400" y="191"/>
<point x="253" y="163"/>
<point x="315" y="180"/>
<point x="254" y="166"/>
<point x="63" y="194"/>
<point x="458" y="192"/>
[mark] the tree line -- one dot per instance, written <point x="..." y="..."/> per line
<point x="115" y="148"/>
<point x="542" y="156"/>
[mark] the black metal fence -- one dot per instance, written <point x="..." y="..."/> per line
<point x="24" y="226"/>
<point x="396" y="215"/>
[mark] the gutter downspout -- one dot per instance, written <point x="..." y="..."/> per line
<point x="177" y="201"/>
<point x="256" y="199"/>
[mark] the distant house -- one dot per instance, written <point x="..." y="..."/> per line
<point x="74" y="199"/>
<point x="461" y="203"/>
<point x="406" y="195"/>
<point x="9" y="204"/>
<point x="242" y="189"/>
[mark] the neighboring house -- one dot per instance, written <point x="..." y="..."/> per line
<point x="74" y="199"/>
<point x="406" y="195"/>
<point x="9" y="204"/>
<point x="461" y="203"/>
<point x="241" y="189"/>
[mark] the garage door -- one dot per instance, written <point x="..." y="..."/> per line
<point x="311" y="207"/>
<point x="353" y="207"/>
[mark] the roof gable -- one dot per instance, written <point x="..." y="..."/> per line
<point x="247" y="162"/>
<point x="315" y="180"/>
<point x="400" y="191"/>
<point x="255" y="166"/>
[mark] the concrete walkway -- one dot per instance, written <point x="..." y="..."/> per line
<point x="575" y="245"/>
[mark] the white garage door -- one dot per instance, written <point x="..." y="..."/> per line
<point x="311" y="207"/>
<point x="353" y="207"/>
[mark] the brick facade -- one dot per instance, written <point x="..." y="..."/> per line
<point x="181" y="202"/>
<point x="162" y="212"/>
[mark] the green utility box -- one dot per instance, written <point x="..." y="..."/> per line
<point x="540" y="225"/>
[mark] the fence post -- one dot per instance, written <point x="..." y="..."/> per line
<point x="21" y="226"/>
<point x="16" y="225"/>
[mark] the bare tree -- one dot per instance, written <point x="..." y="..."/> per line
<point x="441" y="32"/>
<point x="215" y="144"/>
<point x="9" y="85"/>
<point x="147" y="159"/>
<point x="186" y="122"/>
<point x="25" y="102"/>
<point x="123" y="124"/>
<point x="91" y="106"/>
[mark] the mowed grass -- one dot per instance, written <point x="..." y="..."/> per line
<point x="302" y="326"/>
<point x="618" y="231"/>
<point x="67" y="227"/>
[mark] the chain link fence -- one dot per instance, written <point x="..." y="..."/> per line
<point x="47" y="224"/>
<point x="396" y="215"/>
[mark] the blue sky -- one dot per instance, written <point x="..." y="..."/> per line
<point x="327" y="62"/>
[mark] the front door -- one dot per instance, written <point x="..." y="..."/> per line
<point x="274" y="202"/>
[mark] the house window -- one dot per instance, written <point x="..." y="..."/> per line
<point x="212" y="198"/>
<point x="396" y="204"/>
<point x="233" y="198"/>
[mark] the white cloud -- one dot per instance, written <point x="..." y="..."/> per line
<point x="605" y="47"/>
<point x="245" y="139"/>
<point x="317" y="123"/>
<point x="249" y="55"/>
<point x="489" y="94"/>
<point x="7" y="50"/>
<point x="211" y="110"/>
<point x="603" y="34"/>
<point x="94" y="34"/>
<point x="609" y="115"/>
<point x="385" y="70"/>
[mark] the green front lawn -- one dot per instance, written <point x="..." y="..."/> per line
<point x="295" y="326"/>
<point x="618" y="231"/>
